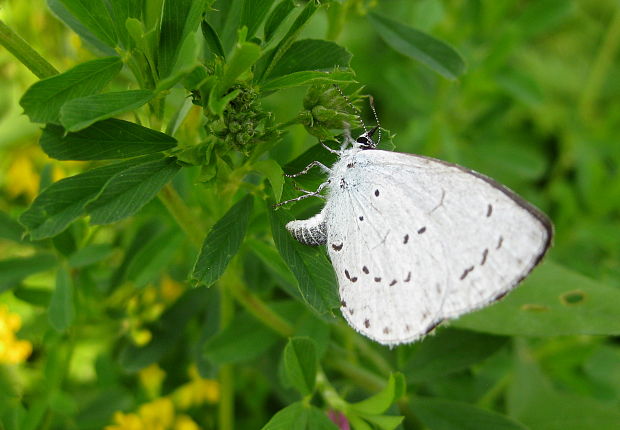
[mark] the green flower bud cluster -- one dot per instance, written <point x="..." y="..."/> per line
<point x="244" y="123"/>
<point x="326" y="109"/>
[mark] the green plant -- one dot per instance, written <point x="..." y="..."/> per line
<point x="164" y="244"/>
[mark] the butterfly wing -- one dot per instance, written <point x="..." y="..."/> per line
<point x="415" y="240"/>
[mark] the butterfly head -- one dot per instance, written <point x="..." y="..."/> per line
<point x="365" y="140"/>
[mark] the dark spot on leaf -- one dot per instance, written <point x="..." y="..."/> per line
<point x="530" y="307"/>
<point x="337" y="247"/>
<point x="573" y="297"/>
<point x="365" y="270"/>
<point x="406" y="239"/>
<point x="366" y="323"/>
<point x="422" y="230"/>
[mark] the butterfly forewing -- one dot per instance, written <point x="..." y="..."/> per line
<point x="415" y="240"/>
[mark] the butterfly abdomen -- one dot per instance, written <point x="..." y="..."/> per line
<point x="311" y="231"/>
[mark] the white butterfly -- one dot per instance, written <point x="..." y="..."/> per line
<point x="415" y="240"/>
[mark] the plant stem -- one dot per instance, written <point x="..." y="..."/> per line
<point x="604" y="61"/>
<point x="182" y="215"/>
<point x="255" y="306"/>
<point x="24" y="53"/>
<point x="226" y="411"/>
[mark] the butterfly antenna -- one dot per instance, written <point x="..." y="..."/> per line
<point x="374" y="112"/>
<point x="352" y="106"/>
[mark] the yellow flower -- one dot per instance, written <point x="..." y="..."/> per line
<point x="12" y="350"/>
<point x="151" y="379"/>
<point x="196" y="392"/>
<point x="170" y="289"/>
<point x="22" y="177"/>
<point x="183" y="422"/>
<point x="158" y="414"/>
<point x="155" y="415"/>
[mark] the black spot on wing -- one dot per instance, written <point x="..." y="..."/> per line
<point x="365" y="270"/>
<point x="408" y="278"/>
<point x="376" y="193"/>
<point x="500" y="242"/>
<point x="354" y="279"/>
<point x="422" y="230"/>
<point x="361" y="218"/>
<point x="386" y="330"/>
<point x="346" y="273"/>
<point x="343" y="303"/>
<point x="406" y="239"/>
<point x="366" y="323"/>
<point x="337" y="247"/>
<point x="489" y="210"/>
<point x="377" y="279"/>
<point x="393" y="282"/>
<point x="485" y="253"/>
<point x="466" y="272"/>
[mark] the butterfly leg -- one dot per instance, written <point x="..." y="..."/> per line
<point x="333" y="151"/>
<point x="305" y="194"/>
<point x="310" y="166"/>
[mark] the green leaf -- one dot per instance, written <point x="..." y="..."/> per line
<point x="33" y="296"/>
<point x="533" y="400"/>
<point x="272" y="57"/>
<point x="242" y="340"/>
<point x="553" y="301"/>
<point x="311" y="55"/>
<point x="104" y="140"/>
<point x="153" y="258"/>
<point x="222" y="242"/>
<point x="381" y="401"/>
<point x="415" y="44"/>
<point x="14" y="270"/>
<point x="89" y="255"/>
<point x="384" y="422"/>
<point x="314" y="273"/>
<point x="64" y="201"/>
<point x="213" y="40"/>
<point x="62" y="308"/>
<point x="299" y="416"/>
<point x="270" y="257"/>
<point x="166" y="332"/>
<point x="11" y="230"/>
<point x="180" y="18"/>
<point x="79" y="113"/>
<point x="129" y="190"/>
<point x="450" y="351"/>
<point x="301" y="364"/>
<point x="443" y="414"/>
<point x="244" y="55"/>
<point x="66" y="16"/>
<point x="95" y="16"/>
<point x="305" y="78"/>
<point x="44" y="99"/>
<point x="543" y="15"/>
<point x="277" y="17"/>
<point x="272" y="170"/>
<point x="253" y="13"/>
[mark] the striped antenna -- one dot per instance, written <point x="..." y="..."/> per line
<point x="352" y="106"/>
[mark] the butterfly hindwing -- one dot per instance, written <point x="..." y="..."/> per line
<point x="415" y="240"/>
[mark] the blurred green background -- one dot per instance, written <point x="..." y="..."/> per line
<point x="538" y="109"/>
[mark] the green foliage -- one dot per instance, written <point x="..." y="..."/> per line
<point x="204" y="105"/>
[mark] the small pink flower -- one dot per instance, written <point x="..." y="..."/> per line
<point x="339" y="419"/>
